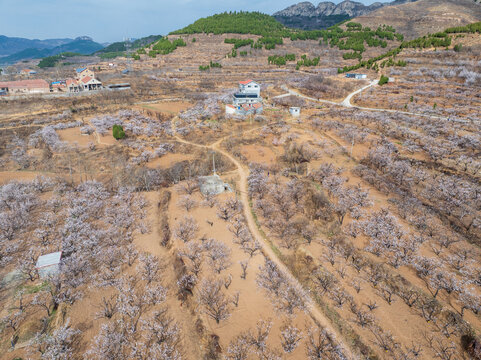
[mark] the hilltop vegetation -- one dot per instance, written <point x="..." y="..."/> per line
<point x="355" y="37"/>
<point x="241" y="22"/>
<point x="440" y="39"/>
<point x="51" y="61"/>
<point x="164" y="46"/>
<point x="119" y="48"/>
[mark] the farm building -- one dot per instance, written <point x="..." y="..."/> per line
<point x="121" y="86"/>
<point x="295" y="111"/>
<point x="48" y="264"/>
<point x="25" y="87"/>
<point x="356" y="76"/>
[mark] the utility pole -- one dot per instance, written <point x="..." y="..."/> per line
<point x="213" y="162"/>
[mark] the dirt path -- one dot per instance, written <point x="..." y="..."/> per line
<point x="267" y="251"/>
<point x="347" y="102"/>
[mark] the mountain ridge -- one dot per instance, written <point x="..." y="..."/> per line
<point x="12" y="45"/>
<point x="307" y="16"/>
<point x="83" y="45"/>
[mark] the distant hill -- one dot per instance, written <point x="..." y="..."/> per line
<point x="234" y="22"/>
<point x="424" y="16"/>
<point x="121" y="46"/>
<point x="12" y="45"/>
<point x="81" y="45"/>
<point x="306" y="16"/>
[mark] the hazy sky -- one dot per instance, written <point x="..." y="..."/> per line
<point x="112" y="20"/>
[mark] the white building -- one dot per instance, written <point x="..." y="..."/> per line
<point x="295" y="111"/>
<point x="356" y="76"/>
<point x="249" y="87"/>
<point x="249" y="93"/>
<point x="48" y="264"/>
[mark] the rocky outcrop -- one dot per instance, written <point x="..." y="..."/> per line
<point x="324" y="9"/>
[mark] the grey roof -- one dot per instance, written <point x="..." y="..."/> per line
<point x="49" y="260"/>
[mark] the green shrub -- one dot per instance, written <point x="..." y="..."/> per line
<point x="239" y="42"/>
<point x="458" y="47"/>
<point x="118" y="132"/>
<point x="281" y="60"/>
<point x="383" y="80"/>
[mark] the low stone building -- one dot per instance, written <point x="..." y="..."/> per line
<point x="213" y="185"/>
<point x="25" y="87"/>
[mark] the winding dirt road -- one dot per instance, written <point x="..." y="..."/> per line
<point x="313" y="311"/>
<point x="348" y="104"/>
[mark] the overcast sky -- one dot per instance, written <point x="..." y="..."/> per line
<point x="113" y="20"/>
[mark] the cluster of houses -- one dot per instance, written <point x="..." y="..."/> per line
<point x="84" y="81"/>
<point x="247" y="101"/>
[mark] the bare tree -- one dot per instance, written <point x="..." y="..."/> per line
<point x="290" y="337"/>
<point x="384" y="340"/>
<point x="361" y="317"/>
<point x="189" y="186"/>
<point x="194" y="252"/>
<point x="219" y="255"/>
<point x="149" y="267"/>
<point x="244" y="264"/>
<point x="258" y="339"/>
<point x="213" y="300"/>
<point x="239" y="348"/>
<point x="187" y="203"/>
<point x="60" y="344"/>
<point x="251" y="247"/>
<point x="108" y="307"/>
<point x="324" y="280"/>
<point x="320" y="345"/>
<point x="186" y="229"/>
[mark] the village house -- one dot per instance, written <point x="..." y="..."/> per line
<point x="27" y="72"/>
<point x="25" y="87"/>
<point x="83" y="72"/>
<point x="58" y="86"/>
<point x="249" y="93"/>
<point x="90" y="83"/>
<point x="84" y="81"/>
<point x="247" y="101"/>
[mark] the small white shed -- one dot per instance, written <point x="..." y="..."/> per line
<point x="295" y="111"/>
<point x="48" y="264"/>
